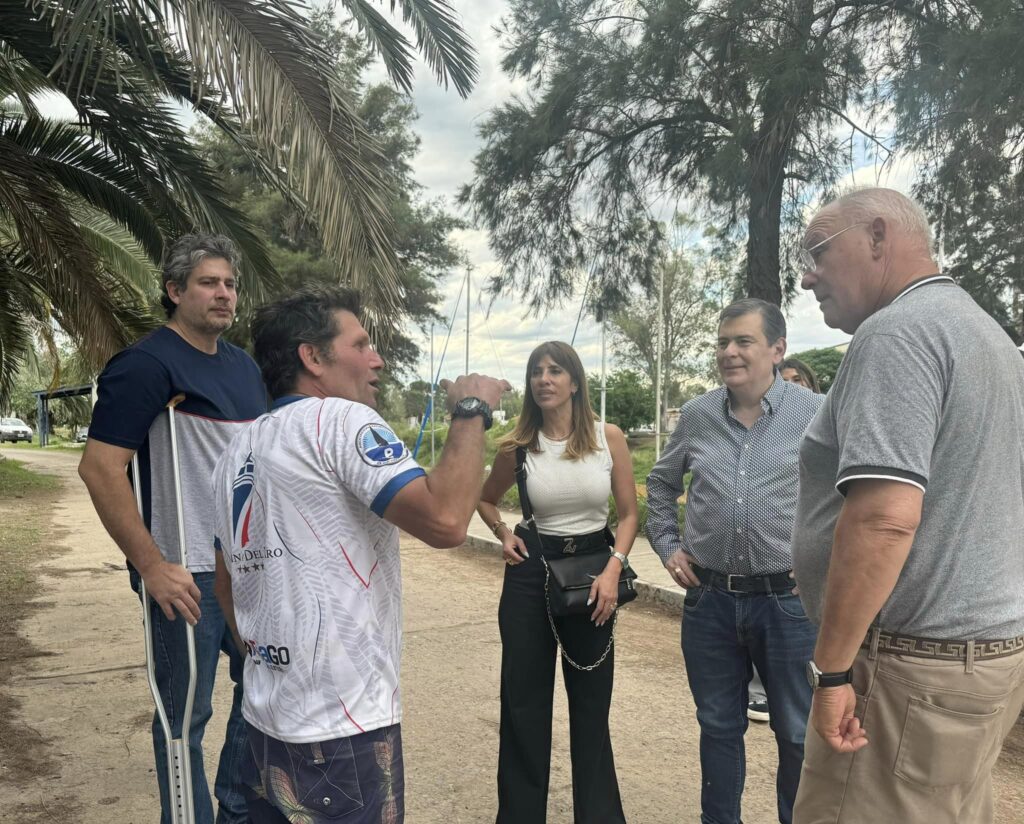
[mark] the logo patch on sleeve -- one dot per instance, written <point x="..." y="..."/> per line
<point x="379" y="446"/>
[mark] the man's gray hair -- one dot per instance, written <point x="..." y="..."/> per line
<point x="185" y="254"/>
<point x="772" y="321"/>
<point x="864" y="205"/>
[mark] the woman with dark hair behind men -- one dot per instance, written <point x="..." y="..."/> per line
<point x="573" y="462"/>
<point x="796" y="371"/>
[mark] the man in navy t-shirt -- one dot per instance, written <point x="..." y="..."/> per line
<point x="223" y="391"/>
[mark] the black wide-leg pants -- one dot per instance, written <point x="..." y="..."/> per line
<point x="527" y="691"/>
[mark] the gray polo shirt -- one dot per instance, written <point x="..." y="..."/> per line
<point x="931" y="393"/>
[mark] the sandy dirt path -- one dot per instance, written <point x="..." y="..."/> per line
<point x="86" y="707"/>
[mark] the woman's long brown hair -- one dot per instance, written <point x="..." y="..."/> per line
<point x="582" y="440"/>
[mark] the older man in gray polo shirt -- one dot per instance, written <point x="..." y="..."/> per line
<point x="909" y="538"/>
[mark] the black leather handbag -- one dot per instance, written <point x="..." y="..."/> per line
<point x="569" y="579"/>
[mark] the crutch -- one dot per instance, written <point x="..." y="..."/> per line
<point x="179" y="765"/>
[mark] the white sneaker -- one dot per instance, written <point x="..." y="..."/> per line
<point x="757" y="711"/>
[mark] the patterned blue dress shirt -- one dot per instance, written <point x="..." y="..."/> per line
<point x="742" y="497"/>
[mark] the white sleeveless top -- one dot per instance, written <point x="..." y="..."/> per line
<point x="569" y="497"/>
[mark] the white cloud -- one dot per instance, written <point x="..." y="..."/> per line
<point x="807" y="329"/>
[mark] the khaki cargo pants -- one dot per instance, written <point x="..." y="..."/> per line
<point x="935" y="731"/>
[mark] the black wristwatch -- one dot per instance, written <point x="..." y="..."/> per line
<point x="470" y="407"/>
<point x="818" y="679"/>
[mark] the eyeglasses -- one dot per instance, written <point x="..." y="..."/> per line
<point x="807" y="259"/>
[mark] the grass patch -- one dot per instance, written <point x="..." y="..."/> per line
<point x="56" y="442"/>
<point x="26" y="501"/>
<point x="17" y="482"/>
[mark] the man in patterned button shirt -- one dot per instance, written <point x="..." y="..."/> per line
<point x="741" y="443"/>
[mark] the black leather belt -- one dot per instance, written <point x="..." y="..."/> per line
<point x="599" y="541"/>
<point x="745" y="584"/>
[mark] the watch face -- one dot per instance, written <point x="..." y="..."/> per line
<point x="469" y="404"/>
<point x="812" y="676"/>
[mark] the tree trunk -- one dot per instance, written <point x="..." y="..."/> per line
<point x="763" y="216"/>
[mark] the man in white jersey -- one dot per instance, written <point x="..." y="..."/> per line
<point x="309" y="499"/>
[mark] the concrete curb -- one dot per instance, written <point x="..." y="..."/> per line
<point x="653" y="594"/>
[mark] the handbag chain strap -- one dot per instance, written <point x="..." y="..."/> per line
<point x="531" y="523"/>
<point x="551" y="620"/>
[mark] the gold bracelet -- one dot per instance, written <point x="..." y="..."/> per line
<point x="498" y="525"/>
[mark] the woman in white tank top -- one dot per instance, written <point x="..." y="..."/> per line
<point x="573" y="463"/>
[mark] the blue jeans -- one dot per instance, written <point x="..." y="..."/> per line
<point x="170" y="652"/>
<point x="723" y="634"/>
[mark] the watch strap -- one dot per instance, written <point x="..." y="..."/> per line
<point x="835" y="679"/>
<point x="481" y="408"/>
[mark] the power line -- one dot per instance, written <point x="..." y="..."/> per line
<point x="434" y="378"/>
<point x="583" y="303"/>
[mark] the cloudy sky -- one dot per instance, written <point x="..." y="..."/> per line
<point x="500" y="344"/>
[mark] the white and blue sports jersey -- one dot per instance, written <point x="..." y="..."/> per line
<point x="315" y="570"/>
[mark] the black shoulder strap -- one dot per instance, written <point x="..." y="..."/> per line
<point x="524" y="497"/>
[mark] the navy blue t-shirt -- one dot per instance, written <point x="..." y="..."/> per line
<point x="223" y="392"/>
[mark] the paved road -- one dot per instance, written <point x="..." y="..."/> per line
<point x="86" y="695"/>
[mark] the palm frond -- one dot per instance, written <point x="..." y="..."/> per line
<point x="15" y="328"/>
<point x="117" y="250"/>
<point x="264" y="64"/>
<point x="186" y="189"/>
<point x="443" y="42"/>
<point x="174" y="74"/>
<point x="85" y="208"/>
<point x="67" y="155"/>
<point x="19" y="79"/>
<point x="37" y="209"/>
<point x="281" y="83"/>
<point x="94" y="307"/>
<point x="97" y="309"/>
<point x="139" y="129"/>
<point x="93" y="34"/>
<point x="394" y="49"/>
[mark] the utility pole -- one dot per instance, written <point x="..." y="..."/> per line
<point x="604" y="370"/>
<point x="660" y="326"/>
<point x="433" y="393"/>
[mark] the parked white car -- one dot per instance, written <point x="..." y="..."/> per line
<point x="14" y="429"/>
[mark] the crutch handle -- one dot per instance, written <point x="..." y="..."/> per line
<point x="173" y="402"/>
